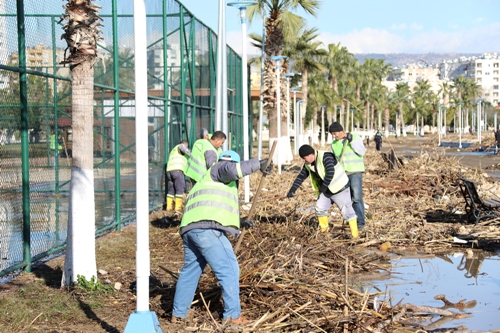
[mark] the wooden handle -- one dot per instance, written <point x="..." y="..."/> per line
<point x="254" y="201"/>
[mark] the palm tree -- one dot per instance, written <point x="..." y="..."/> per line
<point x="280" y="23"/>
<point x="304" y="52"/>
<point x="422" y="98"/>
<point x="81" y="33"/>
<point x="337" y="64"/>
<point x="401" y="98"/>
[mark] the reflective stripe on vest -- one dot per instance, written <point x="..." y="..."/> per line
<point x="197" y="165"/>
<point x="214" y="201"/>
<point x="339" y="180"/>
<point x="176" y="161"/>
<point x="351" y="162"/>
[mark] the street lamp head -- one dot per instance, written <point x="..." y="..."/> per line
<point x="277" y="58"/>
<point x="242" y="4"/>
<point x="288" y="75"/>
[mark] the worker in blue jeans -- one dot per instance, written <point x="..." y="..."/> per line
<point x="349" y="150"/>
<point x="211" y="214"/>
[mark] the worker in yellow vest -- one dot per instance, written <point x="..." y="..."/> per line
<point x="204" y="154"/>
<point x="177" y="163"/>
<point x="54" y="146"/>
<point x="331" y="183"/>
<point x="349" y="150"/>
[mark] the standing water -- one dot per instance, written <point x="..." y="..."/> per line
<point x="472" y="275"/>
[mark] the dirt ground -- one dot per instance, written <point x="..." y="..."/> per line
<point x="34" y="302"/>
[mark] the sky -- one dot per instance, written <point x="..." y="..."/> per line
<point x="384" y="26"/>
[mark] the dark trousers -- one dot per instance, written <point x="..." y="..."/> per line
<point x="176" y="183"/>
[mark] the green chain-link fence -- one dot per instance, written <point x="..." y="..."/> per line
<point x="36" y="123"/>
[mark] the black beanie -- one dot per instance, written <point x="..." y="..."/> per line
<point x="305" y="150"/>
<point x="335" y="127"/>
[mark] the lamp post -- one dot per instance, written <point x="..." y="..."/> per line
<point x="242" y="6"/>
<point x="261" y="106"/>
<point x="322" y="125"/>
<point x="445" y="127"/>
<point x="416" y="129"/>
<point x="460" y="124"/>
<point x="397" y="129"/>
<point x="295" y="147"/>
<point x="439" y="124"/>
<point x="288" y="76"/>
<point x="299" y="125"/>
<point x="479" y="100"/>
<point x="277" y="59"/>
<point x="352" y="119"/>
<point x="221" y="90"/>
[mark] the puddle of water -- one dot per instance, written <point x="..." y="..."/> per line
<point x="459" y="276"/>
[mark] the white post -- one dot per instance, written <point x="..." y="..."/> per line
<point x="322" y="126"/>
<point x="460" y="124"/>
<point x="278" y="108"/>
<point x="142" y="181"/>
<point x="261" y="107"/>
<point x="439" y="126"/>
<point x="299" y="125"/>
<point x="142" y="320"/>
<point x="479" y="121"/>
<point x="445" y="127"/>
<point x="295" y="147"/>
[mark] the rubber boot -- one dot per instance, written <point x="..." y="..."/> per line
<point x="353" y="224"/>
<point x="178" y="205"/>
<point x="323" y="223"/>
<point x="170" y="204"/>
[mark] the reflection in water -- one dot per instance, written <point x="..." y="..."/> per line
<point x="471" y="262"/>
<point x="424" y="281"/>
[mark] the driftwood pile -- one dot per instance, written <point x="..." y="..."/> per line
<point x="296" y="279"/>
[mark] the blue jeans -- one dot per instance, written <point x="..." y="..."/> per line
<point x="356" y="180"/>
<point x="202" y="246"/>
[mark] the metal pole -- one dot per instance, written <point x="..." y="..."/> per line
<point x="244" y="74"/>
<point x="261" y="106"/>
<point x="460" y="125"/>
<point x="299" y="124"/>
<point x="23" y="95"/>
<point x="439" y="126"/>
<point x="278" y="108"/>
<point x="116" y="116"/>
<point x="295" y="147"/>
<point x="352" y="120"/>
<point x="479" y="121"/>
<point x="322" y="125"/>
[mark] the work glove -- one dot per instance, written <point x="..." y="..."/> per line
<point x="349" y="137"/>
<point x="290" y="194"/>
<point x="246" y="223"/>
<point x="263" y="168"/>
<point x="323" y="188"/>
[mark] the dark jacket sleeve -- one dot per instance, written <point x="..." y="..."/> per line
<point x="210" y="158"/>
<point x="226" y="172"/>
<point x="329" y="162"/>
<point x="300" y="179"/>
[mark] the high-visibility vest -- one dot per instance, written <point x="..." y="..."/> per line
<point x="176" y="160"/>
<point x="215" y="201"/>
<point x="351" y="162"/>
<point x="197" y="165"/>
<point x="339" y="180"/>
<point x="53" y="143"/>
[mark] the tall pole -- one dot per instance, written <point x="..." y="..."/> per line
<point x="439" y="125"/>
<point x="322" y="125"/>
<point x="460" y="124"/>
<point x="445" y="126"/>
<point x="299" y="124"/>
<point x="352" y="119"/>
<point x="479" y="120"/>
<point x="242" y="6"/>
<point x="295" y="147"/>
<point x="261" y="106"/>
<point x="142" y="320"/>
<point x="221" y="94"/>
<point x="288" y="76"/>
<point x="278" y="107"/>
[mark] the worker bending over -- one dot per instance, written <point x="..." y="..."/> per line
<point x="204" y="154"/>
<point x="331" y="182"/>
<point x="177" y="163"/>
<point x="211" y="214"/>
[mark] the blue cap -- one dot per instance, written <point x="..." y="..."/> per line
<point x="229" y="155"/>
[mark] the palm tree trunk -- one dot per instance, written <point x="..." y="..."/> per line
<point x="80" y="254"/>
<point x="386" y="120"/>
